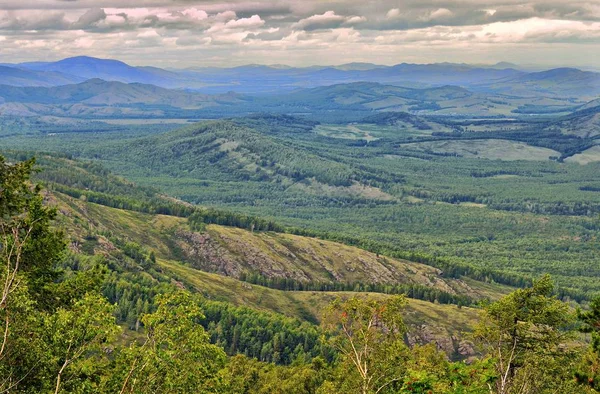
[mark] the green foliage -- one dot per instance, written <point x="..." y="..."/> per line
<point x="176" y="357"/>
<point x="75" y="340"/>
<point x="368" y="335"/>
<point x="54" y="324"/>
<point x="416" y="291"/>
<point x="588" y="371"/>
<point x="263" y="336"/>
<point x="526" y="333"/>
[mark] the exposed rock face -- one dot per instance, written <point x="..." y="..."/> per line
<point x="233" y="252"/>
<point x="206" y="254"/>
<point x="454" y="346"/>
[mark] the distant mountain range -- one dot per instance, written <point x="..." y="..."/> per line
<point x="565" y="82"/>
<point x="23" y="77"/>
<point x="99" y="98"/>
<point x="350" y="101"/>
<point x="503" y="78"/>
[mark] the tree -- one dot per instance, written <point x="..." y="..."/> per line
<point x="369" y="335"/>
<point x="53" y="324"/>
<point x="74" y="336"/>
<point x="588" y="371"/>
<point x="525" y="332"/>
<point x="29" y="249"/>
<point x="176" y="356"/>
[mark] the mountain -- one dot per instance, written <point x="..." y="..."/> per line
<point x="584" y="123"/>
<point x="371" y="96"/>
<point x="111" y="70"/>
<point x="14" y="76"/>
<point x="504" y="65"/>
<point x="96" y="97"/>
<point x="502" y="78"/>
<point x="561" y="82"/>
<point x="358" y="66"/>
<point x="268" y="79"/>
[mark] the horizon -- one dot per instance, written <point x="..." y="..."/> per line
<point x="531" y="67"/>
<point x="183" y="34"/>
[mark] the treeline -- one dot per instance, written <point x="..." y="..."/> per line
<point x="264" y="336"/>
<point x="203" y="216"/>
<point x="60" y="334"/>
<point x="144" y="200"/>
<point x="568" y="145"/>
<point x="412" y="290"/>
<point x="157" y="206"/>
<point x="578" y="208"/>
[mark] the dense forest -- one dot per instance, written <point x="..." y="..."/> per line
<point x="386" y="180"/>
<point x="77" y="322"/>
<point x="216" y="213"/>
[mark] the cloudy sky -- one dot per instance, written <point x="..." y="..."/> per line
<point x="186" y="33"/>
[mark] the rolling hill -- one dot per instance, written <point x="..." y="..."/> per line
<point x="96" y="97"/>
<point x="442" y="100"/>
<point x="218" y="261"/>
<point x="559" y="82"/>
<point x="14" y="76"/>
<point x="584" y="123"/>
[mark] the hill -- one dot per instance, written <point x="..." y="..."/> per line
<point x="390" y="193"/>
<point x="559" y="82"/>
<point x="220" y="261"/>
<point x="584" y="123"/>
<point x="99" y="98"/>
<point x="446" y="325"/>
<point x="443" y="100"/>
<point x="14" y="76"/>
<point x="85" y="67"/>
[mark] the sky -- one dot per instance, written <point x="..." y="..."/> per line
<point x="185" y="33"/>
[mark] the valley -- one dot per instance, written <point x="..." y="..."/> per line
<point x="260" y="213"/>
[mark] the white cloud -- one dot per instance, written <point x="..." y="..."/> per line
<point x="327" y="20"/>
<point x="245" y="23"/>
<point x="393" y="13"/>
<point x="302" y="31"/>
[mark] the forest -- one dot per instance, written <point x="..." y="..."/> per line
<point x="353" y="238"/>
<point x="77" y="321"/>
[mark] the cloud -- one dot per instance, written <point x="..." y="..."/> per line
<point x="245" y="23"/>
<point x="31" y="20"/>
<point x="327" y="20"/>
<point x="393" y="13"/>
<point x="301" y="31"/>
<point x="90" y="17"/>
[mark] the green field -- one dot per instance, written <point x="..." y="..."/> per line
<point x="590" y="155"/>
<point x="487" y="149"/>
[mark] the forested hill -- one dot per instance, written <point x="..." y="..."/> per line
<point x="130" y="293"/>
<point x="248" y="247"/>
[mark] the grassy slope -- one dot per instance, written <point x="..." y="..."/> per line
<point x="445" y="324"/>
<point x="488" y="149"/>
<point x="427" y="321"/>
<point x="231" y="251"/>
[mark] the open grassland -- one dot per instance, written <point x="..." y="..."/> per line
<point x="587" y="156"/>
<point x="487" y="149"/>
